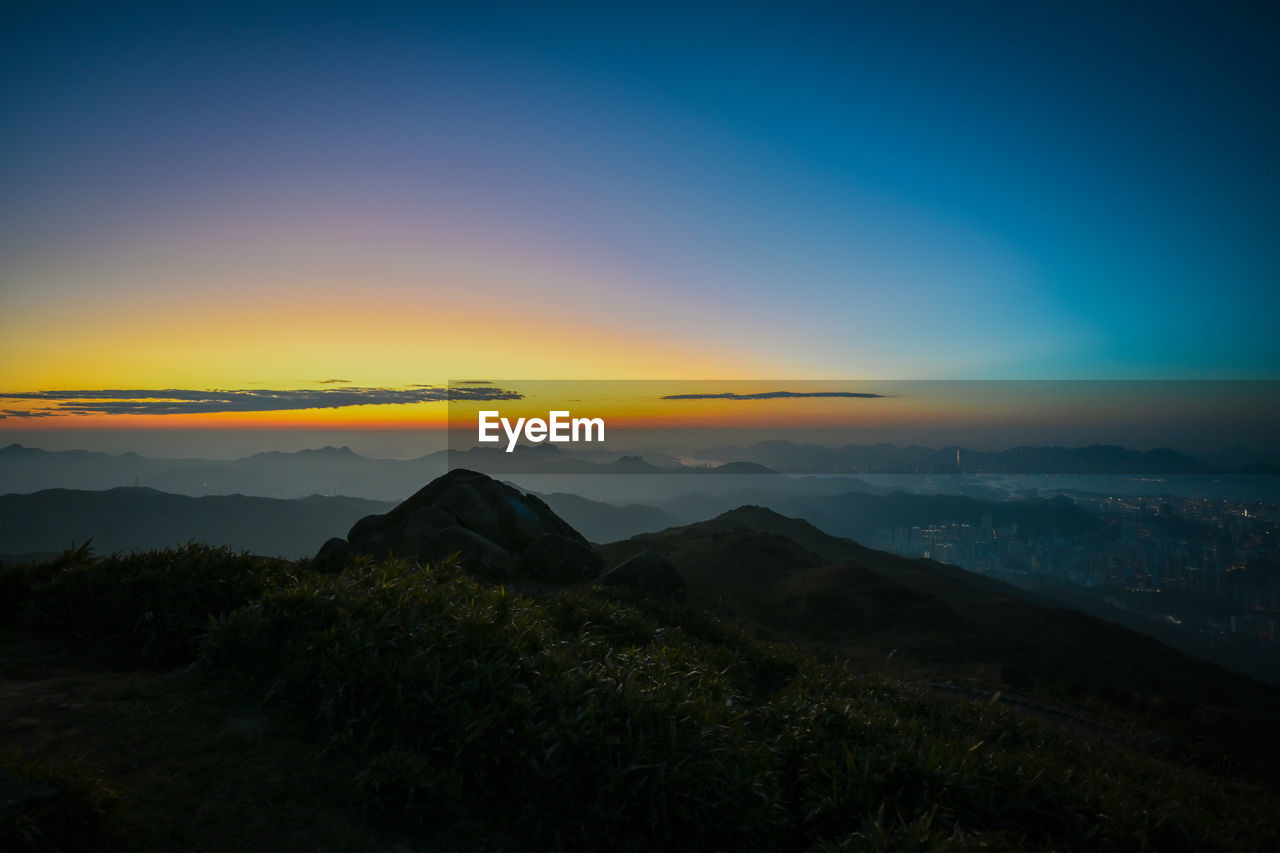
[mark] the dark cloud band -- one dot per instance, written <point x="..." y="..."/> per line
<point x="181" y="401"/>
<point x="772" y="395"/>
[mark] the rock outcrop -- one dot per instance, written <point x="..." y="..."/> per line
<point x="497" y="532"/>
<point x="334" y="556"/>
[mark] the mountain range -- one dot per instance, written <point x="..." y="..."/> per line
<point x="325" y="471"/>
<point x="138" y="519"/>
<point x="843" y="693"/>
<point x="341" y="471"/>
<point x="792" y="458"/>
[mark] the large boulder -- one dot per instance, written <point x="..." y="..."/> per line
<point x="477" y="554"/>
<point x="498" y="532"/>
<point x="333" y="556"/>
<point x="648" y="572"/>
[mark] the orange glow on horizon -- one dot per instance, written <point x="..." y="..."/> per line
<point x="352" y="418"/>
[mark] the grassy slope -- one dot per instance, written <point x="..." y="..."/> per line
<point x="797" y="583"/>
<point x="414" y="704"/>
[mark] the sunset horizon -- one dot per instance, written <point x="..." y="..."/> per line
<point x="401" y="198"/>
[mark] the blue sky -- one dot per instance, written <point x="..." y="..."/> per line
<point x="951" y="190"/>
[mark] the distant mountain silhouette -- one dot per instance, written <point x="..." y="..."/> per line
<point x="341" y="471"/>
<point x="859" y="514"/>
<point x="327" y="471"/>
<point x="130" y="519"/>
<point x="791" y="458"/>
<point x="549" y="459"/>
<point x="133" y="519"/>
<point x="602" y="522"/>
<point x="1241" y="459"/>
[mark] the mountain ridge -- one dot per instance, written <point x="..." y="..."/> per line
<point x="858" y="692"/>
<point x="340" y="470"/>
<point x="138" y="518"/>
<point x="873" y="607"/>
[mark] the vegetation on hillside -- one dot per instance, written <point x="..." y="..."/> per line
<point x="786" y="579"/>
<point x="586" y="719"/>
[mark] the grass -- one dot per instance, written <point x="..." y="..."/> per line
<point x="421" y="704"/>
<point x="72" y="818"/>
<point x="158" y="601"/>
<point x="923" y="621"/>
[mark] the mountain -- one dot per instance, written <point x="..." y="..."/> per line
<point x="1241" y="459"/>
<point x="326" y="470"/>
<point x="417" y="708"/>
<point x="751" y="472"/>
<point x="791" y="458"/>
<point x="602" y="522"/>
<point x="904" y="705"/>
<point x="495" y="531"/>
<point x="28" y="469"/>
<point x="747" y="550"/>
<point x="322" y="471"/>
<point x="793" y="582"/>
<point x="136" y="519"/>
<point x="859" y="514"/>
<point x="549" y="459"/>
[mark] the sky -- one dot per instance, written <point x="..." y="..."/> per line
<point x="199" y="201"/>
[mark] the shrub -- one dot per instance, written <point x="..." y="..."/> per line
<point x="159" y="601"/>
<point x="602" y="719"/>
<point x="599" y="720"/>
<point x="462" y="692"/>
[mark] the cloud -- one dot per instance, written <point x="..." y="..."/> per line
<point x="772" y="395"/>
<point x="180" y="401"/>
<point x="24" y="413"/>
<point x="346" y="382"/>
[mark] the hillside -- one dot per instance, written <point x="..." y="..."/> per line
<point x="391" y="705"/>
<point x="805" y="693"/>
<point x="794" y="582"/>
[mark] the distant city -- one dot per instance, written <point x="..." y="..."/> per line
<point x="1206" y="566"/>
